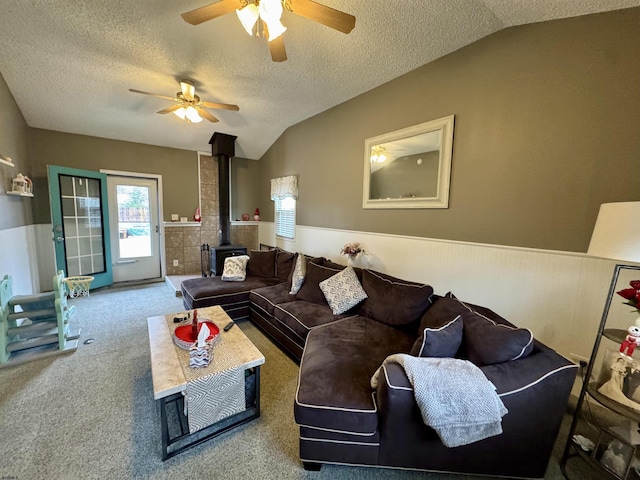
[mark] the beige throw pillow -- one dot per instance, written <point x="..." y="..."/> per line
<point x="235" y="268"/>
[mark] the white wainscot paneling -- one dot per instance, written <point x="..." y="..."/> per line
<point x="16" y="258"/>
<point x="27" y="255"/>
<point x="558" y="295"/>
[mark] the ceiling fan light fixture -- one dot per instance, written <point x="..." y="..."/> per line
<point x="275" y="28"/>
<point x="377" y="154"/>
<point x="270" y="12"/>
<point x="192" y="116"/>
<point x="180" y="113"/>
<point x="248" y="16"/>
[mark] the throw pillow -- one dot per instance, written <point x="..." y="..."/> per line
<point x="235" y="268"/>
<point x="442" y="311"/>
<point x="299" y="270"/>
<point x="262" y="263"/>
<point x="393" y="301"/>
<point x="284" y="264"/>
<point x="310" y="290"/>
<point x="343" y="291"/>
<point x="488" y="342"/>
<point x="439" y="342"/>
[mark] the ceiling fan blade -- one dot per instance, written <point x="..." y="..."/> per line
<point x="203" y="113"/>
<point x="170" y="109"/>
<point x="278" y="52"/>
<point x="209" y="12"/>
<point x="188" y="89"/>
<point x="220" y="106"/>
<point x="152" y="94"/>
<point x="328" y="16"/>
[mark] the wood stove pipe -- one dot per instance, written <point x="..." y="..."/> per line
<point x="222" y="149"/>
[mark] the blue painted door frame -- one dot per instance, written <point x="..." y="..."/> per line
<point x="87" y="250"/>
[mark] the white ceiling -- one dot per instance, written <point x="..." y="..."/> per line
<point x="70" y="63"/>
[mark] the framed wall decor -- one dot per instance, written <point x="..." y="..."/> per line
<point x="409" y="168"/>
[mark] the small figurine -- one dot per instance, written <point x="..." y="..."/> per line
<point x="632" y="340"/>
<point x="197" y="216"/>
<point x="256" y="215"/>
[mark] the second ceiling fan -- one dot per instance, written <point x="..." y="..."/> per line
<point x="262" y="17"/>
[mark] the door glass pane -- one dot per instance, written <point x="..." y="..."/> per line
<point x="82" y="225"/>
<point x="134" y="221"/>
<point x="66" y="186"/>
<point x="68" y="207"/>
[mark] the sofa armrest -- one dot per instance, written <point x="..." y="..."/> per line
<point x="517" y="376"/>
<point x="534" y="390"/>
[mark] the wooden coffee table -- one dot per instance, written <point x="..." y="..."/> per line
<point x="169" y="381"/>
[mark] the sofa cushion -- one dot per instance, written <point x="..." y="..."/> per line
<point x="443" y="341"/>
<point x="310" y="290"/>
<point x="267" y="298"/>
<point x="394" y="301"/>
<point x="339" y="359"/>
<point x="301" y="316"/>
<point x="488" y="342"/>
<point x="235" y="268"/>
<point x="208" y="291"/>
<point x="343" y="291"/>
<point x="284" y="264"/>
<point x="262" y="263"/>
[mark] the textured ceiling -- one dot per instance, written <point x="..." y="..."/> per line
<point x="69" y="64"/>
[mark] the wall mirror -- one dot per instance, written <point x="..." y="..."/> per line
<point x="409" y="168"/>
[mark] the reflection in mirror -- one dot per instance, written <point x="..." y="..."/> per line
<point x="409" y="168"/>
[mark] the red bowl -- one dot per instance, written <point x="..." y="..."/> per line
<point x="184" y="338"/>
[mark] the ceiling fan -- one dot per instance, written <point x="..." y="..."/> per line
<point x="263" y="17"/>
<point x="188" y="105"/>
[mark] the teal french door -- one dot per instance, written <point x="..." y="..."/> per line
<point x="80" y="217"/>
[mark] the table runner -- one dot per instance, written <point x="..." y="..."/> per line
<point x="215" y="392"/>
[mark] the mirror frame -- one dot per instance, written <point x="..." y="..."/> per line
<point x="441" y="200"/>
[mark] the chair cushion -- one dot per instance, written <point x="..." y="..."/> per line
<point x="262" y="263"/>
<point x="488" y="342"/>
<point x="441" y="313"/>
<point x="310" y="290"/>
<point x="394" y="301"/>
<point x="343" y="291"/>
<point x="339" y="359"/>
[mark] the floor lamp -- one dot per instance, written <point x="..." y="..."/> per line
<point x="616" y="236"/>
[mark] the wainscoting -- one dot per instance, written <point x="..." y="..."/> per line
<point x="27" y="255"/>
<point x="558" y="295"/>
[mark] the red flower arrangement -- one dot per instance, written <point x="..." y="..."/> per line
<point x="632" y="295"/>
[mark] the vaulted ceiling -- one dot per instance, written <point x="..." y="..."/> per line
<point x="69" y="64"/>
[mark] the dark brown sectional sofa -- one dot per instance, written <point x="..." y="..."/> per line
<point x="343" y="420"/>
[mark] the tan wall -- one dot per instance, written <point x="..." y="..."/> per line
<point x="14" y="211"/>
<point x="546" y="130"/>
<point x="179" y="168"/>
<point x="245" y="177"/>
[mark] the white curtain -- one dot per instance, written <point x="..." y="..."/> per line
<point x="284" y="187"/>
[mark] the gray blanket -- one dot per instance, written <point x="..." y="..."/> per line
<point x="454" y="397"/>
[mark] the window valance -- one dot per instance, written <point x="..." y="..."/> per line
<point x="283" y="187"/>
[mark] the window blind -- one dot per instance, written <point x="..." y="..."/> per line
<point x="285" y="217"/>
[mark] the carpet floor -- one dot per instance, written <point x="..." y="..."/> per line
<point x="91" y="414"/>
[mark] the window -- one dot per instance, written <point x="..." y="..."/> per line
<point x="285" y="217"/>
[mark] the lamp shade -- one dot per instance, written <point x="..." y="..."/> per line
<point x="617" y="232"/>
